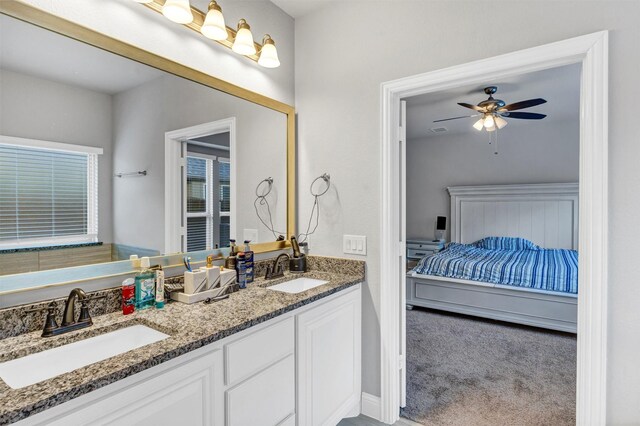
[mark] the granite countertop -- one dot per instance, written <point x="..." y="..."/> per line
<point x="189" y="326"/>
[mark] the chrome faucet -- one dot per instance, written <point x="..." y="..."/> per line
<point x="275" y="270"/>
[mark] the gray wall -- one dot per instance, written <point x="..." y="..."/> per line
<point x="36" y="108"/>
<point x="538" y="153"/>
<point x="142" y="116"/>
<point x="338" y="104"/>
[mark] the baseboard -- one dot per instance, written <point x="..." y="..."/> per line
<point x="371" y="406"/>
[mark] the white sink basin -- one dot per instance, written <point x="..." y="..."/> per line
<point x="298" y="285"/>
<point x="34" y="368"/>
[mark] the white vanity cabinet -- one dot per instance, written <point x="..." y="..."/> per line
<point x="300" y="368"/>
<point x="185" y="391"/>
<point x="329" y="361"/>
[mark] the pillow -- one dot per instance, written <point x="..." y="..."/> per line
<point x="505" y="243"/>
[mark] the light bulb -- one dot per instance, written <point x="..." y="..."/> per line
<point x="268" y="53"/>
<point x="243" y="44"/>
<point x="479" y="124"/>
<point x="500" y="122"/>
<point x="178" y="11"/>
<point x="214" y="26"/>
<point x="488" y="122"/>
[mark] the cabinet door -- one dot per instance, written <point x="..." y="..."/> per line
<point x="266" y="399"/>
<point x="185" y="395"/>
<point x="329" y="361"/>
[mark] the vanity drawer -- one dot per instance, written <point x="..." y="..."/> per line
<point x="254" y="352"/>
<point x="419" y="253"/>
<point x="268" y="398"/>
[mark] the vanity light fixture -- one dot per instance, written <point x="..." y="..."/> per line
<point x="178" y="11"/>
<point x="212" y="26"/>
<point x="268" y="53"/>
<point x="243" y="43"/>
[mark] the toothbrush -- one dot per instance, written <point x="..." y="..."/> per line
<point x="187" y="263"/>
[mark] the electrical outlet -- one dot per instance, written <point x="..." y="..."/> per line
<point x="354" y="244"/>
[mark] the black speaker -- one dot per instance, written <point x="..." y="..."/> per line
<point x="441" y="227"/>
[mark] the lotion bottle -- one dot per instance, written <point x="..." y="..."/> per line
<point x="159" y="289"/>
<point x="248" y="261"/>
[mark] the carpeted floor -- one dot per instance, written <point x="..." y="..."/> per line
<point x="469" y="371"/>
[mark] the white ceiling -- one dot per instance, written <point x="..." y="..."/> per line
<point x="25" y="48"/>
<point x="559" y="86"/>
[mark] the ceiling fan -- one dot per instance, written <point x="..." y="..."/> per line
<point x="493" y="112"/>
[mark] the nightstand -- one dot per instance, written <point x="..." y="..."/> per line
<point x="418" y="248"/>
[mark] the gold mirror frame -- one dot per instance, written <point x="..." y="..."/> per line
<point x="43" y="19"/>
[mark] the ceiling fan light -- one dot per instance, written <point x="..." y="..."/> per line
<point x="143" y="1"/>
<point x="500" y="122"/>
<point x="213" y="26"/>
<point x="178" y="11"/>
<point x="489" y="122"/>
<point x="268" y="53"/>
<point x="491" y="129"/>
<point x="243" y="43"/>
<point x="479" y="124"/>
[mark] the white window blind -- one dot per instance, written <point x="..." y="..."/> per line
<point x="47" y="196"/>
<point x="207" y="221"/>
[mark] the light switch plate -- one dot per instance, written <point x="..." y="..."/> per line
<point x="354" y="244"/>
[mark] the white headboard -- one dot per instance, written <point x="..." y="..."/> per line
<point x="546" y="214"/>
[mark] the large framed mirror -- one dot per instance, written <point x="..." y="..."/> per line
<point x="108" y="151"/>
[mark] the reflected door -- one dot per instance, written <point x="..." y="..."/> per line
<point x="207" y="201"/>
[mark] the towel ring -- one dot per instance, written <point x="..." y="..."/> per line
<point x="266" y="185"/>
<point x="326" y="178"/>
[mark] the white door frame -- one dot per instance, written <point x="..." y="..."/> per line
<point x="173" y="191"/>
<point x="592" y="52"/>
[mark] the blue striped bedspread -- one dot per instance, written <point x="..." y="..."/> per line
<point x="542" y="269"/>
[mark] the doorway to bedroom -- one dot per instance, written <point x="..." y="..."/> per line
<point x="491" y="222"/>
<point x="591" y="52"/>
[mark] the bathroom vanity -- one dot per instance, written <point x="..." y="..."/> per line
<point x="261" y="357"/>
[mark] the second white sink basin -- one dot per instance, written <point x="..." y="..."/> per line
<point x="298" y="285"/>
<point x="34" y="368"/>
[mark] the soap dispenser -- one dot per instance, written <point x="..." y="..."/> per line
<point x="230" y="261"/>
<point x="213" y="273"/>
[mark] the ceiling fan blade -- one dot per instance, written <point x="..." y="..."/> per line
<point x="474" y="107"/>
<point x="525" y="115"/>
<point x="455" y="118"/>
<point x="523" y="104"/>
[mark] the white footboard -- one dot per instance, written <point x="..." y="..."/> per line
<point x="522" y="306"/>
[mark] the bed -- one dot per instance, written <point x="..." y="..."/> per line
<point x="512" y="256"/>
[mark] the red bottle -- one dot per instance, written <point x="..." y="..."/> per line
<point x="128" y="296"/>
